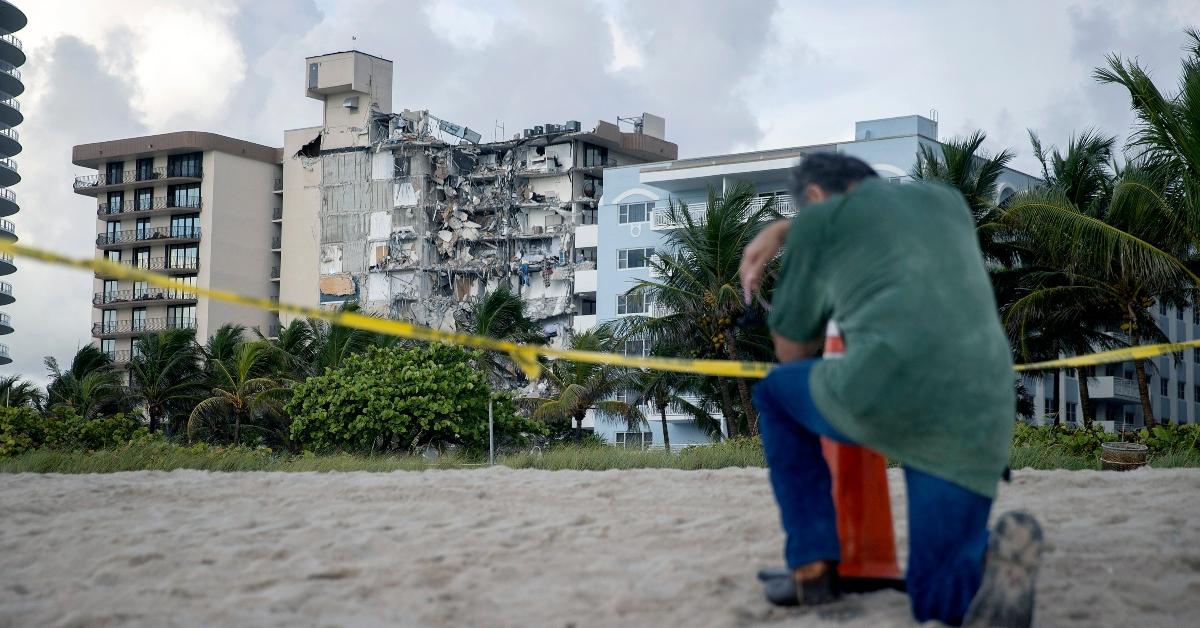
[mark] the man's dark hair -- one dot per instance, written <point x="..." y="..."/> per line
<point x="832" y="172"/>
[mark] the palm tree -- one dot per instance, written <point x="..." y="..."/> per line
<point x="663" y="390"/>
<point x="19" y="393"/>
<point x="581" y="387"/>
<point x="241" y="391"/>
<point x="962" y="164"/>
<point x="165" y="375"/>
<point x="500" y="314"/>
<point x="332" y="344"/>
<point x="224" y="344"/>
<point x="91" y="387"/>
<point x="295" y="349"/>
<point x="700" y="291"/>
<point x="1115" y="264"/>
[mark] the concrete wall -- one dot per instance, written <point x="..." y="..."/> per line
<point x="301" y="227"/>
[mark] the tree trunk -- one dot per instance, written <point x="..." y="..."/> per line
<point x="743" y="392"/>
<point x="154" y="420"/>
<point x="579" y="426"/>
<point x="1144" y="391"/>
<point x="1085" y="396"/>
<point x="662" y="410"/>
<point x="237" y="428"/>
<point x="727" y="408"/>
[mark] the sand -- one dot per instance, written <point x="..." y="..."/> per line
<point x="497" y="547"/>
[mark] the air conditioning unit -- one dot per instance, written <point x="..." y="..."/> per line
<point x="351" y="103"/>
<point x="572" y="126"/>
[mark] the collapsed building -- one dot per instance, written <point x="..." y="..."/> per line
<point x="413" y="217"/>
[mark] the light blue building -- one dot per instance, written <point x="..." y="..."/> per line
<point x="633" y="219"/>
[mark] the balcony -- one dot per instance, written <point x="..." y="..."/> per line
<point x="10" y="113"/>
<point x="663" y="219"/>
<point x="1113" y="389"/>
<point x="132" y="237"/>
<point x="5" y="324"/>
<point x="91" y="185"/>
<point x="4" y="359"/>
<point x="8" y="202"/>
<point x="143" y="298"/>
<point x="164" y="265"/>
<point x="163" y="205"/>
<point x="10" y="79"/>
<point x="10" y="142"/>
<point x="275" y="273"/>
<point x="277" y="214"/>
<point x="8" y="173"/>
<point x="118" y="358"/>
<point x="6" y="294"/>
<point x="586" y="236"/>
<point x="584" y="322"/>
<point x="8" y="231"/>
<point x="7" y="267"/>
<point x="11" y="49"/>
<point x="277" y="186"/>
<point x="116" y="329"/>
<point x="585" y="280"/>
<point x="276" y="243"/>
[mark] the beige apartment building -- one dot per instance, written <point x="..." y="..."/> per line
<point x="200" y="207"/>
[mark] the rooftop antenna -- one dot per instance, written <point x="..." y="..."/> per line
<point x="498" y="131"/>
<point x="636" y="121"/>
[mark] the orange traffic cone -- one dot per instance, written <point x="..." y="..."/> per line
<point x="860" y="496"/>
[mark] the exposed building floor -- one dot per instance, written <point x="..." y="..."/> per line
<point x="525" y="548"/>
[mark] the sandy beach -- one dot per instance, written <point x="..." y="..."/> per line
<point x="498" y="547"/>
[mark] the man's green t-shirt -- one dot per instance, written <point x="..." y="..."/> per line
<point x="927" y="377"/>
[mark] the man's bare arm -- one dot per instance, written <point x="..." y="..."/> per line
<point x="790" y="351"/>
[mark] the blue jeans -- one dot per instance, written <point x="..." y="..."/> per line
<point x="947" y="524"/>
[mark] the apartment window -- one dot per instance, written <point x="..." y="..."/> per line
<point x="632" y="304"/>
<point x="184" y="165"/>
<point x="588" y="216"/>
<point x="141" y="257"/>
<point x="139" y="319"/>
<point x="1071" y="405"/>
<point x="1110" y="370"/>
<point x="641" y="440"/>
<point x="181" y="317"/>
<point x="185" y="226"/>
<point x="634" y="212"/>
<point x="587" y="254"/>
<point x="182" y="294"/>
<point x="638" y="347"/>
<point x="113" y="256"/>
<point x="1196" y="392"/>
<point x="113" y="172"/>
<point x="184" y="257"/>
<point x="1164" y="385"/>
<point x="145" y="199"/>
<point x="140" y="291"/>
<point x="115" y="201"/>
<point x="1196" y="356"/>
<point x="136" y="349"/>
<point x="110" y="290"/>
<point x="108" y="347"/>
<point x="183" y="195"/>
<point x="145" y="169"/>
<point x="634" y="258"/>
<point x="108" y="321"/>
<point x="587" y="307"/>
<point x="143" y="229"/>
<point x="112" y="231"/>
<point x="594" y="155"/>
<point x="1180" y="386"/>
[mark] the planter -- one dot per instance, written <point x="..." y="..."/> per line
<point x="1122" y="456"/>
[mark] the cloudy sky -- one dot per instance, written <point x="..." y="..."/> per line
<point x="728" y="76"/>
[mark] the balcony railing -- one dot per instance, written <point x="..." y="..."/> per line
<point x="276" y="242"/>
<point x="142" y="326"/>
<point x="277" y="185"/>
<point x="5" y="288"/>
<point x="139" y="235"/>
<point x="11" y="134"/>
<point x="8" y="163"/>
<point x="277" y="213"/>
<point x="12" y="39"/>
<point x="7" y="225"/>
<point x="162" y="263"/>
<point x="118" y="357"/>
<point x="5" y="320"/>
<point x="6" y="258"/>
<point x="133" y="176"/>
<point x="8" y="195"/>
<point x="4" y="351"/>
<point x="146" y="294"/>
<point x="10" y="69"/>
<point x="135" y="205"/>
<point x="662" y="215"/>
<point x="11" y="102"/>
<point x="275" y="272"/>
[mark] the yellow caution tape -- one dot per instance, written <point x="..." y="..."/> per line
<point x="524" y="355"/>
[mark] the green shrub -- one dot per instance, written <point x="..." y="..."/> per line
<point x="22" y="429"/>
<point x="398" y="399"/>
<point x="1171" y="439"/>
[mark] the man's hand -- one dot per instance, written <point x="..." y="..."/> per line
<point x="758" y="253"/>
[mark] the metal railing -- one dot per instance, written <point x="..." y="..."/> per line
<point x="278" y="185"/>
<point x="141" y="326"/>
<point x="11" y="134"/>
<point x="8" y="195"/>
<point x="6" y="258"/>
<point x="11" y="102"/>
<point x="5" y="320"/>
<point x="10" y="70"/>
<point x="699" y="211"/>
<point x="7" y="225"/>
<point x="274" y="272"/>
<point x="156" y="233"/>
<point x="5" y="288"/>
<point x="8" y="163"/>
<point x="136" y="175"/>
<point x="277" y="213"/>
<point x="162" y="263"/>
<point x="135" y="205"/>
<point x="276" y="242"/>
<point x="4" y="351"/>
<point x="12" y="39"/>
<point x="118" y="357"/>
<point x="144" y="294"/>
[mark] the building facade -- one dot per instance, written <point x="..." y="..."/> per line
<point x="197" y="206"/>
<point x="634" y="218"/>
<point x="413" y="217"/>
<point x="12" y="57"/>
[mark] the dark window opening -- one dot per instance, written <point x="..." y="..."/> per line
<point x="145" y="169"/>
<point x="594" y="155"/>
<point x="187" y="165"/>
